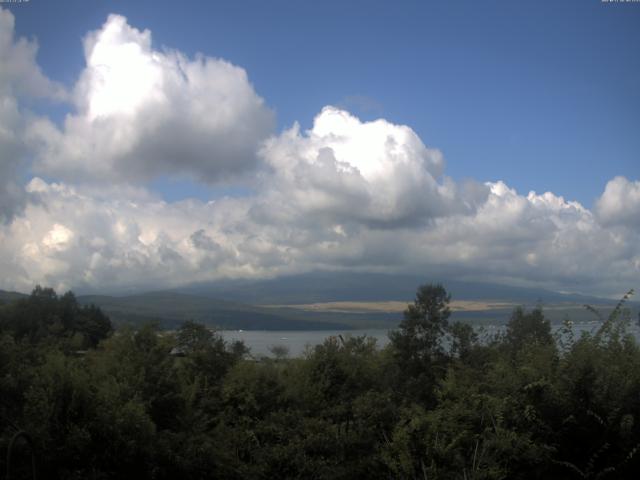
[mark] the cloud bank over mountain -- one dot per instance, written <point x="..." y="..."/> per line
<point x="346" y="194"/>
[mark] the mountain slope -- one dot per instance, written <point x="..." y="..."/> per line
<point x="299" y="292"/>
<point x="338" y="286"/>
<point x="171" y="309"/>
<point x="8" y="297"/>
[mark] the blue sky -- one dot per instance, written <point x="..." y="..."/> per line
<point x="154" y="144"/>
<point x="542" y="94"/>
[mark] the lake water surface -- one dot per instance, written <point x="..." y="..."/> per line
<point x="296" y="341"/>
<point x="259" y="341"/>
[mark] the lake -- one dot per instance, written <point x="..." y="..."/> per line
<point x="296" y="341"/>
<point x="259" y="341"/>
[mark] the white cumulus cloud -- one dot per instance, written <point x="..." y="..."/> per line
<point x="345" y="194"/>
<point x="142" y="112"/>
<point x="20" y="73"/>
<point x="374" y="172"/>
<point x="118" y="239"/>
<point x="20" y="77"/>
<point x="620" y="203"/>
<point x="12" y="153"/>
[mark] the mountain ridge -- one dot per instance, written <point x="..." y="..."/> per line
<point x="282" y="303"/>
<point x="339" y="286"/>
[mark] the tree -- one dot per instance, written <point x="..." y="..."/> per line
<point x="93" y="324"/>
<point x="280" y="352"/>
<point x="463" y="339"/>
<point x="528" y="328"/>
<point x="417" y="347"/>
<point x="44" y="316"/>
<point x="192" y="337"/>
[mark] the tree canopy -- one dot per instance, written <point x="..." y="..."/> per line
<point x="438" y="402"/>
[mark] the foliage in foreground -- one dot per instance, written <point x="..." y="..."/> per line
<point x="436" y="403"/>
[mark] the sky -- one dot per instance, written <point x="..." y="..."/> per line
<point x="154" y="144"/>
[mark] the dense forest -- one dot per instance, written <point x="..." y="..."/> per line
<point x="441" y="401"/>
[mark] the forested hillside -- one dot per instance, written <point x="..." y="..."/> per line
<point x="439" y="402"/>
